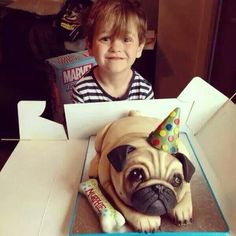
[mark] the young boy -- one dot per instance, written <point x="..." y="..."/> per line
<point x="116" y="37"/>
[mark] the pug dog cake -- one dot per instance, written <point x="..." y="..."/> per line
<point x="145" y="170"/>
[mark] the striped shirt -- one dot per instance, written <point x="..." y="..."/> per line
<point x="87" y="89"/>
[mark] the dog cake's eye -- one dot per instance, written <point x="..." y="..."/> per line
<point x="176" y="181"/>
<point x="136" y="175"/>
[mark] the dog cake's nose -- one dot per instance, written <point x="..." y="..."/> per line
<point x="154" y="200"/>
<point x="158" y="188"/>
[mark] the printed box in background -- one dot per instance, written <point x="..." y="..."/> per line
<point x="64" y="72"/>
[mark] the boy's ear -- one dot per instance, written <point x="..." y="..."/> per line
<point x="140" y="50"/>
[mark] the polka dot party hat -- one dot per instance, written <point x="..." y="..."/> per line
<point x="166" y="136"/>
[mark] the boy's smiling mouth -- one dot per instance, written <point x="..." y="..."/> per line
<point x="115" y="58"/>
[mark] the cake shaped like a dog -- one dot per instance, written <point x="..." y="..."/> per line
<point x="141" y="165"/>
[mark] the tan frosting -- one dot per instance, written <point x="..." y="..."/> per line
<point x="160" y="166"/>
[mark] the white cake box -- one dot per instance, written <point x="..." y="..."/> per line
<point x="39" y="182"/>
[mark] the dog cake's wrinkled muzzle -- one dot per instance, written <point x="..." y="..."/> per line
<point x="154" y="200"/>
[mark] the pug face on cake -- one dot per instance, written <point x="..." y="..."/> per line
<point x="145" y="170"/>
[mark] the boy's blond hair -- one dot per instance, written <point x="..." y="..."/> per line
<point x="116" y="14"/>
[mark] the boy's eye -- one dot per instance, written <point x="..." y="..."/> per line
<point x="127" y="39"/>
<point x="105" y="39"/>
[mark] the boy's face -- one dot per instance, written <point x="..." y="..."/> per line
<point x="116" y="53"/>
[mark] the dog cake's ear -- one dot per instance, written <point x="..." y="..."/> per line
<point x="188" y="167"/>
<point x="118" y="155"/>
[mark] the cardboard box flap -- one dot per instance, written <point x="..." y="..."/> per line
<point x="218" y="142"/>
<point x="33" y="126"/>
<point x="84" y="120"/>
<point x="207" y="100"/>
<point x="198" y="102"/>
<point x="38" y="185"/>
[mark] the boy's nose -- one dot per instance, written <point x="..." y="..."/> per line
<point x="116" y="45"/>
